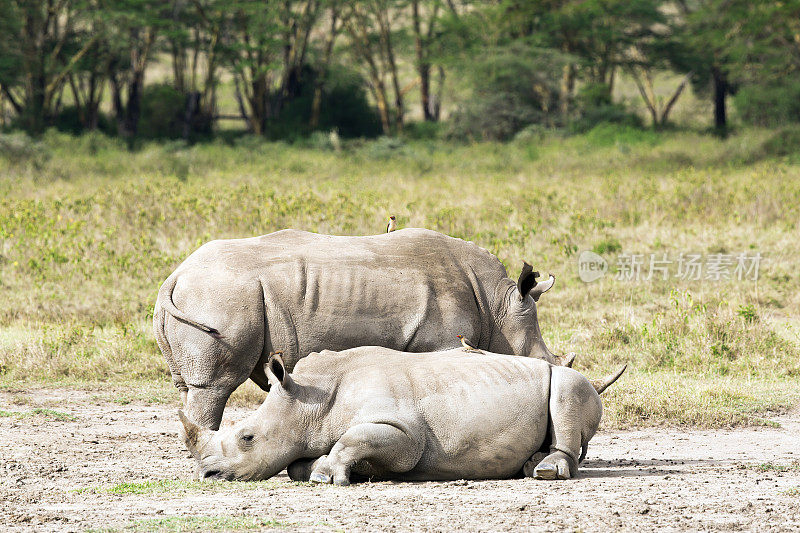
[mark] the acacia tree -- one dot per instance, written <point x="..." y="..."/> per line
<point x="425" y="17"/>
<point x="369" y="25"/>
<point x="266" y="45"/>
<point x="760" y="42"/>
<point x="130" y="30"/>
<point x="42" y="44"/>
<point x="334" y="27"/>
<point x="88" y="80"/>
<point x="644" y="59"/>
<point x="701" y="50"/>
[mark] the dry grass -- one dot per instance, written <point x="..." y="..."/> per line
<point x="88" y="231"/>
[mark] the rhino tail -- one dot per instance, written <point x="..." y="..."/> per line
<point x="165" y="298"/>
<point x="584" y="449"/>
<point x="602" y="384"/>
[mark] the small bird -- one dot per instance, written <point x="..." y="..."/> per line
<point x="467" y="346"/>
<point x="392" y="225"/>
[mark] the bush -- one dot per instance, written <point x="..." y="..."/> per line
<point x="515" y="86"/>
<point x="785" y="141"/>
<point x="594" y="106"/>
<point x="163" y="114"/>
<point x="495" y="117"/>
<point x="422" y="131"/>
<point x="769" y="106"/>
<point x="20" y="149"/>
<point x="68" y="120"/>
<point x="607" y="134"/>
<point x="344" y="107"/>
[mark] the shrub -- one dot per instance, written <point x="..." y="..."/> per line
<point x="515" y="86"/>
<point x="769" y="106"/>
<point x="785" y="141"/>
<point x="20" y="149"/>
<point x="344" y="107"/>
<point x="608" y="134"/>
<point x="69" y="120"/>
<point x="163" y="114"/>
<point x="424" y="130"/>
<point x="594" y="106"/>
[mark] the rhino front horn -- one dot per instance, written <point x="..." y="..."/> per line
<point x="602" y="384"/>
<point x="542" y="287"/>
<point x="191" y="433"/>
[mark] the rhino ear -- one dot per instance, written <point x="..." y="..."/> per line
<point x="276" y="371"/>
<point x="527" y="280"/>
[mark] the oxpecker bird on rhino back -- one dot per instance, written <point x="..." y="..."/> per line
<point x="232" y="302"/>
<point x="380" y="413"/>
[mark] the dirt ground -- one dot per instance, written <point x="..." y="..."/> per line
<point x="63" y="473"/>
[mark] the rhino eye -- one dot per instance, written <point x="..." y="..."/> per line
<point x="247" y="438"/>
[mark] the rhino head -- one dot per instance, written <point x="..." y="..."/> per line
<point x="517" y="330"/>
<point x="262" y="444"/>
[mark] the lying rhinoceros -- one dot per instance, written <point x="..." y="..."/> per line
<point x="377" y="412"/>
<point x="232" y="302"/>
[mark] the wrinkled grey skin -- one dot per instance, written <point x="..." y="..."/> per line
<point x="233" y="302"/>
<point x="373" y="411"/>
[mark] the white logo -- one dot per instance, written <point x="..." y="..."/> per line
<point x="591" y="266"/>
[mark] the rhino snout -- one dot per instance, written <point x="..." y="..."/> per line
<point x="213" y="473"/>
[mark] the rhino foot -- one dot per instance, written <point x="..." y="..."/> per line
<point x="319" y="477"/>
<point x="323" y="478"/>
<point x="325" y="472"/>
<point x="552" y="469"/>
<point x="548" y="471"/>
<point x="530" y="465"/>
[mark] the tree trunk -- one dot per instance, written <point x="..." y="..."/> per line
<point x="190" y="113"/>
<point x="720" y="92"/>
<point x="316" y="104"/>
<point x="423" y="65"/>
<point x="383" y="106"/>
<point x="436" y="103"/>
<point x="386" y="40"/>
<point x="567" y="86"/>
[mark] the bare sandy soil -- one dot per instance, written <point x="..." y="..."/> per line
<point x="65" y="475"/>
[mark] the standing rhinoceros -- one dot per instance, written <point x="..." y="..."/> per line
<point x="232" y="302"/>
<point x="377" y="412"/>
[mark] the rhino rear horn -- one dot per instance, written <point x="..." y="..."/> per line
<point x="602" y="384"/>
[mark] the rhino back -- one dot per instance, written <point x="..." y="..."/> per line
<point x="413" y="289"/>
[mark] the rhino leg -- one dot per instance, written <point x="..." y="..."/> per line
<point x="383" y="446"/>
<point x="205" y="406"/>
<point x="571" y="402"/>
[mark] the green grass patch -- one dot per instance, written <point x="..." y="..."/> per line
<point x="182" y="487"/>
<point x="773" y="467"/>
<point x="672" y="399"/>
<point x="41" y="412"/>
<point x="201" y="523"/>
